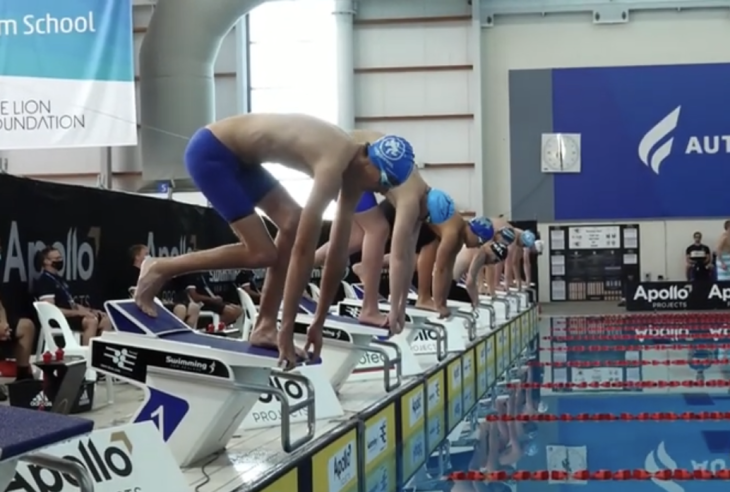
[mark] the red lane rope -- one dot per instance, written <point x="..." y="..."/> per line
<point x="691" y="383"/>
<point x="620" y="348"/>
<point x="580" y="338"/>
<point x="585" y="475"/>
<point x="611" y="417"/>
<point x="629" y="363"/>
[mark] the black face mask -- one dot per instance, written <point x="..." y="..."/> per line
<point x="58" y="265"/>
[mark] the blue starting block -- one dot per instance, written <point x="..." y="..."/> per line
<point x="25" y="431"/>
<point x="198" y="387"/>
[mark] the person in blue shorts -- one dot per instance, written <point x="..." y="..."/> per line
<point x="225" y="160"/>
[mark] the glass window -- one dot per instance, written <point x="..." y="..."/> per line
<point x="293" y="70"/>
<point x="290" y="20"/>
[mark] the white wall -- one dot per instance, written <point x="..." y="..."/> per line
<point x="565" y="40"/>
<point x="414" y="66"/>
<point x="81" y="166"/>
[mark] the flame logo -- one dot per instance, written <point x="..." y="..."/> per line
<point x="660" y="131"/>
<point x="665" y="462"/>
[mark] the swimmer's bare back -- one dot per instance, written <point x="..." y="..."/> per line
<point x="297" y="141"/>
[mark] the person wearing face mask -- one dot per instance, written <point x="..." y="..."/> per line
<point x="52" y="287"/>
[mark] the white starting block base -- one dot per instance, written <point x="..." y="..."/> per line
<point x="267" y="411"/>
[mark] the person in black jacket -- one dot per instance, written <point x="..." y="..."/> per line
<point x="699" y="259"/>
<point x="51" y="287"/>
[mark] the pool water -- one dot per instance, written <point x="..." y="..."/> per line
<point x="640" y="406"/>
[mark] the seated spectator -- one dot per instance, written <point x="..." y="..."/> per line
<point x="202" y="293"/>
<point x="52" y="287"/>
<point x="174" y="295"/>
<point x="248" y="282"/>
<point x="699" y="260"/>
<point x="18" y="335"/>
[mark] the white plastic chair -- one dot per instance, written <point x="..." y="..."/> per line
<point x="48" y="312"/>
<point x="315" y="291"/>
<point x="249" y="313"/>
<point x="349" y="291"/>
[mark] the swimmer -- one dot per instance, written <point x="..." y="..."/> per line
<point x="470" y="261"/>
<point x="525" y="241"/>
<point x="399" y="217"/>
<point x="722" y="251"/>
<point x="225" y="160"/>
<point x="436" y="263"/>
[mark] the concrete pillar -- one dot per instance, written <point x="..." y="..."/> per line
<point x="344" y="13"/>
<point x="177" y="82"/>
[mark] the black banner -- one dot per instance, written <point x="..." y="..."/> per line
<point x="678" y="296"/>
<point x="93" y="230"/>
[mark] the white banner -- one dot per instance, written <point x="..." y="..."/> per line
<point x="130" y="458"/>
<point x="67" y="74"/>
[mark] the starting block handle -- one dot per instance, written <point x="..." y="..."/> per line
<point x="388" y="363"/>
<point x="505" y="302"/>
<point x="439" y="330"/>
<point x="287" y="410"/>
<point x="470" y="323"/>
<point x="61" y="465"/>
<point x="492" y="314"/>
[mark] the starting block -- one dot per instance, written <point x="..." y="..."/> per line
<point x="486" y="318"/>
<point x="25" y="432"/>
<point x="347" y="342"/>
<point x="198" y="388"/>
<point x="369" y="366"/>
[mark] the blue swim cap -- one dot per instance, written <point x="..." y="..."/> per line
<point x="508" y="235"/>
<point x="394" y="157"/>
<point x="482" y="227"/>
<point x="528" y="239"/>
<point x="440" y="207"/>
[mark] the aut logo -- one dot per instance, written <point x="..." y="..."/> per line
<point x="655" y="147"/>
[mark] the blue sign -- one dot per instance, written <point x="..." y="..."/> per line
<point x="165" y="410"/>
<point x="655" y="141"/>
<point x="67" y="72"/>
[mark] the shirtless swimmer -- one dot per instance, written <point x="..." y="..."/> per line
<point x="225" y="160"/>
<point x="524" y="241"/>
<point x="403" y="210"/>
<point x="454" y="232"/>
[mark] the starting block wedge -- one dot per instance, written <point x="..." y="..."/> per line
<point x="26" y="432"/>
<point x="198" y="388"/>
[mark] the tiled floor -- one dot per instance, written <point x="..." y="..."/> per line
<point x="604" y="369"/>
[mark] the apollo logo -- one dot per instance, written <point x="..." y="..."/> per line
<point x="672" y="293"/>
<point x="660" y="460"/>
<point x="651" y="151"/>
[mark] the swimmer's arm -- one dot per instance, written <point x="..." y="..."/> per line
<point x="325" y="190"/>
<point x="509" y="267"/>
<point x="444" y="268"/>
<point x="337" y="256"/>
<point x="402" y="252"/>
<point x="527" y="266"/>
<point x="718" y="249"/>
<point x="472" y="275"/>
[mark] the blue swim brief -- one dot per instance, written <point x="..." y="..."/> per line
<point x="367" y="201"/>
<point x="232" y="187"/>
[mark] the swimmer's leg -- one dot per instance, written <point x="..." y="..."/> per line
<point x="377" y="230"/>
<point x="281" y="208"/>
<point x="424" y="268"/>
<point x="355" y="245"/>
<point x="233" y="188"/>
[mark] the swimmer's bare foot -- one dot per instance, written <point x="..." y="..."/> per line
<point x="357" y="269"/>
<point x="373" y="318"/>
<point x="149" y="284"/>
<point x="427" y="304"/>
<point x="265" y="335"/>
